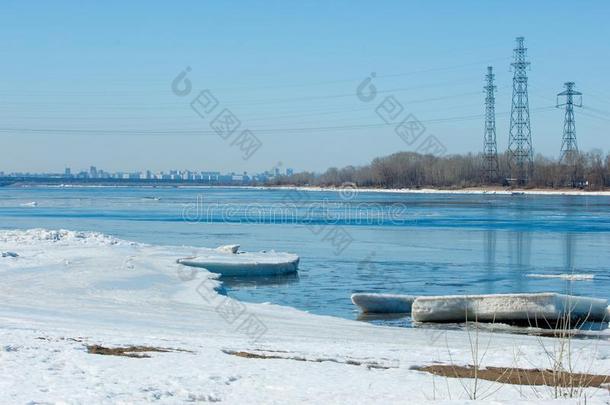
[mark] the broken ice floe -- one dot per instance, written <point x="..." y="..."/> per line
<point x="383" y="303"/>
<point x="229" y="262"/>
<point x="507" y="308"/>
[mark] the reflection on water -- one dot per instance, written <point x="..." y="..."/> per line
<point x="569" y="250"/>
<point x="570" y="242"/>
<point x="489" y="249"/>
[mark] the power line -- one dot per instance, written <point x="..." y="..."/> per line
<point x="210" y="132"/>
<point x="306" y="112"/>
<point x="265" y="86"/>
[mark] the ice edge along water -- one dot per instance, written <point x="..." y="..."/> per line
<point x="69" y="289"/>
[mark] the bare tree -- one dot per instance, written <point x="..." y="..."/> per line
<point x="413" y="170"/>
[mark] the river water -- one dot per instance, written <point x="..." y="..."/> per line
<point x="352" y="241"/>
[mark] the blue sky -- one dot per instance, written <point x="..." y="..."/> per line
<point x="85" y="83"/>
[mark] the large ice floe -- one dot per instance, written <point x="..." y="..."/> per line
<point x="534" y="309"/>
<point x="230" y="262"/>
<point x="541" y="309"/>
<point x="372" y="303"/>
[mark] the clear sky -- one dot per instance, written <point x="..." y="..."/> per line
<point x="89" y="83"/>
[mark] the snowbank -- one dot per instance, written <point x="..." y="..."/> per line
<point x="228" y="262"/>
<point x="508" y="308"/>
<point x="383" y="303"/>
<point x="38" y="236"/>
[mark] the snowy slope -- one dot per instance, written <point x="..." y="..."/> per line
<point x="68" y="289"/>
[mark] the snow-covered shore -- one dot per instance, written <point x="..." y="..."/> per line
<point x="475" y="190"/>
<point x="353" y="189"/>
<point x="67" y="290"/>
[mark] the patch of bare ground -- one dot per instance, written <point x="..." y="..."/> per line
<point x="518" y="376"/>
<point x="351" y="362"/>
<point x="140" y="352"/>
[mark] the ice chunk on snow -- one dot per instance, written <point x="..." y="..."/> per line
<point x="383" y="303"/>
<point x="245" y="264"/>
<point x="508" y="308"/>
<point x="9" y="254"/>
<point x="228" y="249"/>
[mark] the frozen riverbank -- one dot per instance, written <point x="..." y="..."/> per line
<point x="67" y="290"/>
<point x="468" y="190"/>
<point x="347" y="186"/>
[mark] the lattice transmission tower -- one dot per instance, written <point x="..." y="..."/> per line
<point x="569" y="147"/>
<point x="490" y="147"/>
<point x="520" y="135"/>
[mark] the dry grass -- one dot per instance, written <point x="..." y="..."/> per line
<point x="516" y="376"/>
<point x="558" y="378"/>
<point x="139" y="352"/>
<point x="351" y="362"/>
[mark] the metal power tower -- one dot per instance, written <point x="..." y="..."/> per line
<point x="490" y="148"/>
<point x="569" y="148"/>
<point x="520" y="134"/>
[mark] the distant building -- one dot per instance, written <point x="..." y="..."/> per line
<point x="67" y="172"/>
<point x="210" y="176"/>
<point x="289" y="172"/>
<point x="93" y="172"/>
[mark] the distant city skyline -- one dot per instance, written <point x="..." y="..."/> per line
<point x="98" y="87"/>
<point x="147" y="174"/>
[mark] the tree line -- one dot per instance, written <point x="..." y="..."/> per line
<point x="590" y="170"/>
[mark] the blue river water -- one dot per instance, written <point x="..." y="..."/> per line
<point x="422" y="244"/>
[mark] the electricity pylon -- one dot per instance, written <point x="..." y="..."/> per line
<point x="490" y="148"/>
<point x="569" y="147"/>
<point x="520" y="151"/>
